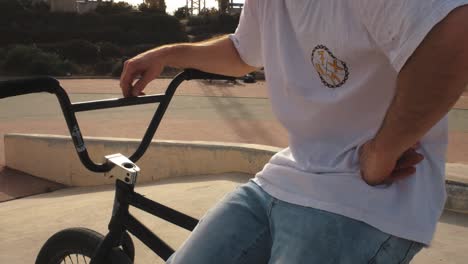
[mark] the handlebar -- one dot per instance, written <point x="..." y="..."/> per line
<point x="17" y="87"/>
<point x="27" y="86"/>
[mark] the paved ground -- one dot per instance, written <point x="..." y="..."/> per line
<point x="217" y="111"/>
<point x="200" y="111"/>
<point x="23" y="234"/>
<point x="15" y="184"/>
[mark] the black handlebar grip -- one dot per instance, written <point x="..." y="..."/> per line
<point x="200" y="75"/>
<point x="28" y="85"/>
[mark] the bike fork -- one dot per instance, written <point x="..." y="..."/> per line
<point x="126" y="173"/>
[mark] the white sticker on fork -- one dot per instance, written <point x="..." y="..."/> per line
<point x="80" y="145"/>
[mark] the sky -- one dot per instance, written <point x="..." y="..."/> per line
<point x="172" y="5"/>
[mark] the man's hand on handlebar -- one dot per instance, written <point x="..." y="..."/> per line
<point x="145" y="67"/>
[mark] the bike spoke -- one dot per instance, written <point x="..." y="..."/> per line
<point x="70" y="259"/>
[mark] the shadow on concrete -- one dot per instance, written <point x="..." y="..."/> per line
<point x="15" y="184"/>
<point x="453" y="218"/>
<point x="221" y="84"/>
<point x="209" y="179"/>
<point x="235" y="177"/>
<point x="229" y="109"/>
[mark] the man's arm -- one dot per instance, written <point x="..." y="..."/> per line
<point x="215" y="56"/>
<point x="427" y="87"/>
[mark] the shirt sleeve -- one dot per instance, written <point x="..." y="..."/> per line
<point x="399" y="26"/>
<point x="247" y="39"/>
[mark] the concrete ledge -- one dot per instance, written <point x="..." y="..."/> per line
<point x="457" y="187"/>
<point x="54" y="158"/>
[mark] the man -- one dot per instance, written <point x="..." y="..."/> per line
<point x="363" y="88"/>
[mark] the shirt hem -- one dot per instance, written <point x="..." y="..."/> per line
<point x="386" y="226"/>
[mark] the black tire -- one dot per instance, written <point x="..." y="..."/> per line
<point x="79" y="244"/>
<point x="128" y="246"/>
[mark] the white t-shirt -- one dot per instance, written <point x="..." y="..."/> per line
<point x="331" y="68"/>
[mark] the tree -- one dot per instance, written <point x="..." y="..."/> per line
<point x="182" y="12"/>
<point x="155" y="5"/>
<point x="12" y="7"/>
<point x="223" y="6"/>
<point x="113" y="8"/>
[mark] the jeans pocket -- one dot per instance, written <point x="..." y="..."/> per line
<point x="396" y="250"/>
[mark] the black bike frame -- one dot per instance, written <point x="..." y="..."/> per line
<point x="123" y="221"/>
<point x="125" y="196"/>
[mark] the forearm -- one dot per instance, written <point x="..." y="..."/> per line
<point x="214" y="56"/>
<point x="428" y="86"/>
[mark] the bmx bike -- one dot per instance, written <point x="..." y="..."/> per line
<point x="81" y="245"/>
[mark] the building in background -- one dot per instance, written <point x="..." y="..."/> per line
<point x="74" y="6"/>
<point x="62" y="6"/>
<point x="224" y="6"/>
<point x="85" y="6"/>
<point x="228" y="6"/>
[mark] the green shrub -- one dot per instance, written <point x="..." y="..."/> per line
<point x="213" y="23"/>
<point x="29" y="60"/>
<point x="106" y="8"/>
<point x="105" y="67"/>
<point x="144" y="7"/>
<point x="117" y="68"/>
<point x="11" y="6"/>
<point x="181" y="12"/>
<point x="40" y="6"/>
<point x="137" y="49"/>
<point x="80" y="51"/>
<point x="197" y="21"/>
<point x="227" y="23"/>
<point x="120" y="29"/>
<point x="109" y="50"/>
<point x="202" y="29"/>
<point x="208" y="12"/>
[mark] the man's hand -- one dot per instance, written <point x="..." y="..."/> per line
<point x="217" y="55"/>
<point x="146" y="66"/>
<point x="379" y="167"/>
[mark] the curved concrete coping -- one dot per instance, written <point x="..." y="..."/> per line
<point x="53" y="158"/>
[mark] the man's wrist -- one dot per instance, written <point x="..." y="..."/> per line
<point x="387" y="148"/>
<point x="170" y="55"/>
<point x="163" y="55"/>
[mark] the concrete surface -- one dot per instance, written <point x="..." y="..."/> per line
<point x="53" y="158"/>
<point x="200" y="110"/>
<point x="32" y="220"/>
<point x="17" y="184"/>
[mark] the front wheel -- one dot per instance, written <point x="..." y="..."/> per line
<point x="76" y="245"/>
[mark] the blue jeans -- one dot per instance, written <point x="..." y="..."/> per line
<point x="250" y="226"/>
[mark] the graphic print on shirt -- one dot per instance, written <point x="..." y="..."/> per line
<point x="332" y="71"/>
